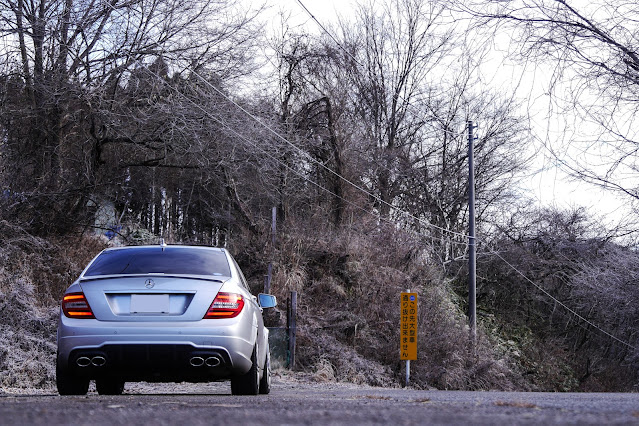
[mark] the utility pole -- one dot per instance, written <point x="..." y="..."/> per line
<point x="472" y="250"/>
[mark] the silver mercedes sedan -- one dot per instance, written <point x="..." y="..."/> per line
<point x="158" y="314"/>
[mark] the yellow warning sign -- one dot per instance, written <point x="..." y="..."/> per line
<point x="408" y="326"/>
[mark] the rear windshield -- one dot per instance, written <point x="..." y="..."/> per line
<point x="170" y="260"/>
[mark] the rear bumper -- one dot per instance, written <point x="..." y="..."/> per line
<point x="154" y="351"/>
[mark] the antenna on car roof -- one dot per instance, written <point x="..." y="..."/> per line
<point x="162" y="243"/>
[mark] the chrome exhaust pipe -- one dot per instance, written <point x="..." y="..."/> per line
<point x="196" y="361"/>
<point x="83" y="361"/>
<point x="212" y="361"/>
<point x="98" y="361"/>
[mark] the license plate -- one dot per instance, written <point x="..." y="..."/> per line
<point x="149" y="303"/>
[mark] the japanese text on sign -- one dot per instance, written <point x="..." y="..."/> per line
<point x="408" y="326"/>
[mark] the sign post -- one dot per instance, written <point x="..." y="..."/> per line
<point x="408" y="329"/>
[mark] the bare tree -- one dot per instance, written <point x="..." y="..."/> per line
<point x="435" y="183"/>
<point x="393" y="47"/>
<point x="386" y="108"/>
<point x="591" y="49"/>
<point x="583" y="296"/>
<point x="66" y="64"/>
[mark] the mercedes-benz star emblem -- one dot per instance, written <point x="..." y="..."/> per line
<point x="149" y="283"/>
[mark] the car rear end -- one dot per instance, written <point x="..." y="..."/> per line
<point x="168" y="321"/>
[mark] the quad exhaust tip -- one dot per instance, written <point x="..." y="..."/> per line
<point x="198" y="361"/>
<point x="83" y="361"/>
<point x="96" y="361"/>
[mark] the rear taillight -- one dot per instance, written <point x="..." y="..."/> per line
<point x="225" y="305"/>
<point x="75" y="305"/>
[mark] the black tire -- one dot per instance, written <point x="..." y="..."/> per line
<point x="265" y="382"/>
<point x="247" y="384"/>
<point x="67" y="383"/>
<point x="109" y="386"/>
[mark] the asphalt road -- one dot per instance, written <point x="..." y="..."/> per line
<point x="293" y="403"/>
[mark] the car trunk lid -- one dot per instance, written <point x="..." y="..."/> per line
<point x="151" y="297"/>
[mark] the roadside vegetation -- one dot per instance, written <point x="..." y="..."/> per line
<point x="125" y="124"/>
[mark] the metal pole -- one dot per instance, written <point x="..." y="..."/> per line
<point x="408" y="360"/>
<point x="407" y="372"/>
<point x="292" y="330"/>
<point x="472" y="252"/>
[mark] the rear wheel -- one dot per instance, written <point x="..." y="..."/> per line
<point x="247" y="384"/>
<point x="265" y="383"/>
<point x="69" y="384"/>
<point x="109" y="386"/>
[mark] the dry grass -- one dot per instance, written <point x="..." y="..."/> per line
<point x="324" y="371"/>
<point x="27" y="337"/>
<point x="348" y="325"/>
<point x="33" y="274"/>
<point x="348" y="285"/>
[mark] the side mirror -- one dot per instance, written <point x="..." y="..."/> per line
<point x="267" y="300"/>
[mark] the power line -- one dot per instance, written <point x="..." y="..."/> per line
<point x="573" y="312"/>
<point x="545" y="292"/>
<point x="328" y="32"/>
<point x="365" y="191"/>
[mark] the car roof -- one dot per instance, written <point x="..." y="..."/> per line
<point x="146" y="246"/>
